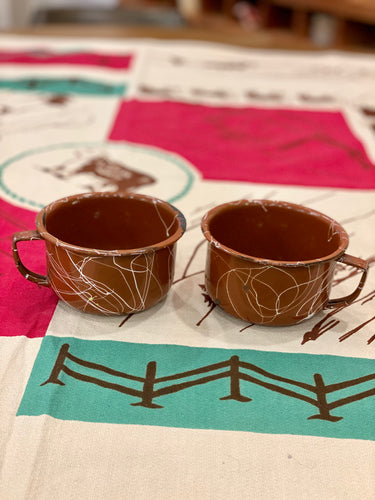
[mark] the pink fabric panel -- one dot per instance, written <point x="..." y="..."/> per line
<point x="73" y="58"/>
<point x="281" y="146"/>
<point x="25" y="309"/>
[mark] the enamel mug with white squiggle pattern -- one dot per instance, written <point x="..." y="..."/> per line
<point x="107" y="253"/>
<point x="272" y="263"/>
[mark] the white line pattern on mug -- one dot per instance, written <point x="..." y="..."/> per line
<point x="137" y="276"/>
<point x="306" y="302"/>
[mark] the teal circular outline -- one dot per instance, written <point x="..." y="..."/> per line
<point x="179" y="163"/>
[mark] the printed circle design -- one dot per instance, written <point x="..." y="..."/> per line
<point x="36" y="177"/>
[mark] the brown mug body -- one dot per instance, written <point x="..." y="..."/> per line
<point x="107" y="253"/>
<point x="272" y="263"/>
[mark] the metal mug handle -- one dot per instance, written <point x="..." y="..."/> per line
<point x="358" y="263"/>
<point x="39" y="279"/>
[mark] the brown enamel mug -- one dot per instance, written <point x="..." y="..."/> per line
<point x="272" y="262"/>
<point x="107" y="253"/>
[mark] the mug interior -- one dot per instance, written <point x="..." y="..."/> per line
<point x="276" y="232"/>
<point x="111" y="222"/>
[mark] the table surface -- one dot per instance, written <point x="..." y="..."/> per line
<point x="210" y="29"/>
<point x="207" y="123"/>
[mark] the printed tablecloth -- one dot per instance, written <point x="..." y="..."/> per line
<point x="184" y="401"/>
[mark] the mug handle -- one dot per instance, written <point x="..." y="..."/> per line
<point x="360" y="264"/>
<point x="39" y="279"/>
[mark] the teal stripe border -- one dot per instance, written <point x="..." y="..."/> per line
<point x="64" y="86"/>
<point x="206" y="405"/>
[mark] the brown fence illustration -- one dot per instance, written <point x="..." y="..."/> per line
<point x="233" y="368"/>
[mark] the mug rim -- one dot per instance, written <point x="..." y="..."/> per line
<point x="40" y="222"/>
<point x="211" y="214"/>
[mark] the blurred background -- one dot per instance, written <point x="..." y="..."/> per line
<point x="298" y="24"/>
